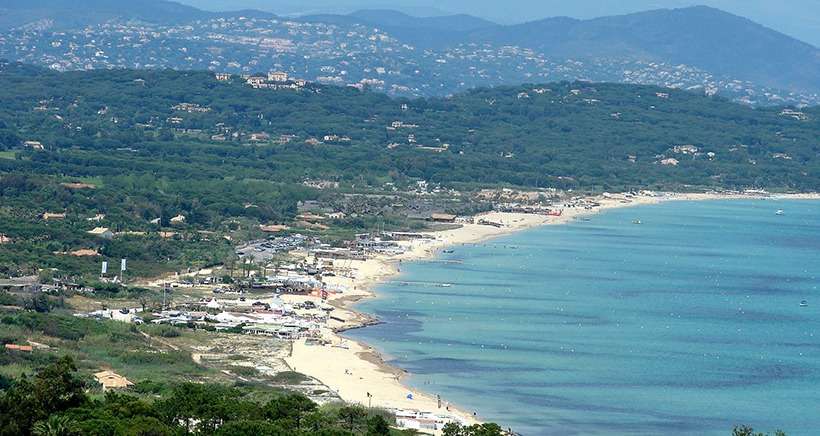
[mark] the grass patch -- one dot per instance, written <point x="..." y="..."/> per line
<point x="244" y="371"/>
<point x="97" y="344"/>
<point x="289" y="378"/>
<point x="11" y="155"/>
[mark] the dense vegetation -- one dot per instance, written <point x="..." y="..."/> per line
<point x="55" y="402"/>
<point x="570" y="135"/>
<point x="138" y="155"/>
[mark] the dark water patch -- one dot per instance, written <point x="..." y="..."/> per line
<point x="482" y="295"/>
<point x="598" y="417"/>
<point x="434" y="365"/>
<point x="730" y="313"/>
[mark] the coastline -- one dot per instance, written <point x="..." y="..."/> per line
<point x="358" y="373"/>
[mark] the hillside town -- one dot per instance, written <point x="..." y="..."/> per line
<point x="347" y="55"/>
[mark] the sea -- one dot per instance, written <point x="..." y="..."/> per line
<point x="681" y="318"/>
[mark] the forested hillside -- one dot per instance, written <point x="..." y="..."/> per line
<point x="137" y="146"/>
<point x="187" y="125"/>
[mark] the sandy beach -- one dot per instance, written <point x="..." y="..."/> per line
<point x="358" y="373"/>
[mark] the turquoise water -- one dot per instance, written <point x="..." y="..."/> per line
<point x="687" y="324"/>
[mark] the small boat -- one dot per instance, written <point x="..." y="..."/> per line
<point x="447" y="251"/>
<point x="445" y="285"/>
<point x="636" y="222"/>
<point x="804" y="303"/>
<point x="779" y="212"/>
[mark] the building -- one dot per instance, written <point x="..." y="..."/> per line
<point x="179" y="219"/>
<point x="256" y="81"/>
<point x="111" y="380"/>
<point x="77" y="185"/>
<point x="101" y="232"/>
<point x="259" y="137"/>
<point x="53" y="216"/>
<point x="125" y="315"/>
<point x="4" y="239"/>
<point x="443" y="218"/>
<point x="34" y="145"/>
<point x="278" y="76"/>
<point x="223" y="77"/>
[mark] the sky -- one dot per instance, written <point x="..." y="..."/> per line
<point x="797" y="18"/>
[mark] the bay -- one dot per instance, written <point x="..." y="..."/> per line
<point x="688" y="323"/>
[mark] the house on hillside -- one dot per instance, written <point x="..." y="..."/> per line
<point x="259" y="137"/>
<point x="101" y="232"/>
<point x="53" y="216"/>
<point x="34" y="145"/>
<point x="77" y="185"/>
<point x="111" y="380"/>
<point x="15" y="347"/>
<point x="278" y="76"/>
<point x="443" y="218"/>
<point x="179" y="219"/>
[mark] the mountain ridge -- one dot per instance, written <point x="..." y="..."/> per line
<point x="714" y="42"/>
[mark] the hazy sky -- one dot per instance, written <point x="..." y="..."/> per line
<point x="798" y="18"/>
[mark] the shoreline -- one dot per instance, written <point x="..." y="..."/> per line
<point x="358" y="373"/>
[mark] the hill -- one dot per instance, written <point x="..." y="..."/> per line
<point x="569" y="135"/>
<point x="704" y="37"/>
<point x="437" y="31"/>
<point x="61" y="14"/>
<point x="695" y="48"/>
<point x="707" y="38"/>
<point x="391" y="19"/>
<point x="139" y="145"/>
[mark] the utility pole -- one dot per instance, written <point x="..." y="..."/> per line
<point x="164" y="292"/>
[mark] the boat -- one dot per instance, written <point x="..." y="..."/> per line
<point x="804" y="303"/>
<point x="447" y="251"/>
<point x="636" y="222"/>
<point x="445" y="285"/>
<point x="779" y="212"/>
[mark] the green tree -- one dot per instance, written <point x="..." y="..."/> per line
<point x="488" y="429"/>
<point x="251" y="428"/>
<point x="377" y="426"/>
<point x="205" y="406"/>
<point x="54" y="389"/>
<point x="55" y="425"/>
<point x="291" y="407"/>
<point x="353" y="417"/>
<point x="39" y="303"/>
<point x="745" y="430"/>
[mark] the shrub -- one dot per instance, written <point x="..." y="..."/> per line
<point x="169" y="332"/>
<point x="289" y="378"/>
